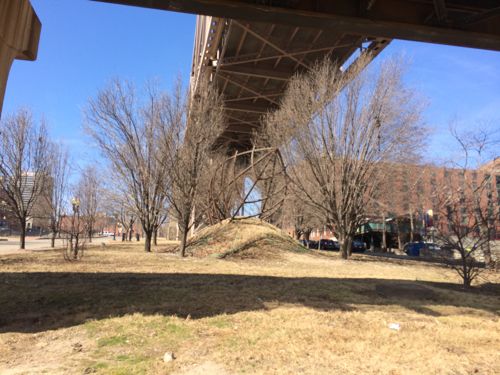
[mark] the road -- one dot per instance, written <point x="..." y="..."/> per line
<point x="11" y="246"/>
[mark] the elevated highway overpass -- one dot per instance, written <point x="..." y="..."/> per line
<point x="251" y="48"/>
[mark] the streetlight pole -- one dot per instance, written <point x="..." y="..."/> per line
<point x="114" y="233"/>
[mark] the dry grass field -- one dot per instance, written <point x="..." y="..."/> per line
<point x="119" y="310"/>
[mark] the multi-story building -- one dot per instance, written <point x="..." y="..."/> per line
<point x="408" y="203"/>
<point x="420" y="192"/>
<point x="39" y="219"/>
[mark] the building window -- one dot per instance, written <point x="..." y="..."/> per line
<point x="487" y="178"/>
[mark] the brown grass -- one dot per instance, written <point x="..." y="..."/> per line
<point x="120" y="309"/>
<point x="242" y="238"/>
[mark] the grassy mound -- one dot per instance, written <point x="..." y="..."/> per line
<point x="243" y="238"/>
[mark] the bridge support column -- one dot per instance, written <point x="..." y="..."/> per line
<point x="19" y="35"/>
<point x="6" y="57"/>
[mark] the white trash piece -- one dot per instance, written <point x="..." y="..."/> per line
<point x="168" y="357"/>
<point x="395" y="326"/>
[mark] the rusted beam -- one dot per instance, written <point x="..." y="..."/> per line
<point x="440" y="10"/>
<point x="243" y="98"/>
<point x="250" y="108"/>
<point x="250" y="90"/>
<point x="268" y="42"/>
<point x="257" y="72"/>
<point x="19" y="35"/>
<point x="245" y="59"/>
<point x="402" y="22"/>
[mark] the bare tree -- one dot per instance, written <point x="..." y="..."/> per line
<point x="127" y="220"/>
<point x="74" y="229"/>
<point x="88" y="191"/>
<point x="221" y="187"/>
<point x="196" y="123"/>
<point x="467" y="213"/>
<point x="118" y="205"/>
<point x="129" y="133"/>
<point x="300" y="216"/>
<point x="334" y="129"/>
<point x="59" y="174"/>
<point x="250" y="183"/>
<point x="399" y="197"/>
<point x="24" y="165"/>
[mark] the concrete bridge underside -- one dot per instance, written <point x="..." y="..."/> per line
<point x="250" y="48"/>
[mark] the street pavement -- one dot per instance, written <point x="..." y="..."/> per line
<point x="11" y="246"/>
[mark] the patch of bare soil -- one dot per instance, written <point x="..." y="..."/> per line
<point x="46" y="352"/>
<point x="205" y="368"/>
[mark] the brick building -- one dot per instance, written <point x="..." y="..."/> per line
<point x="409" y="198"/>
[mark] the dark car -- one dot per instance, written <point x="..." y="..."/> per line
<point x="358" y="246"/>
<point x="416" y="249"/>
<point x="312" y="244"/>
<point x="328" y="245"/>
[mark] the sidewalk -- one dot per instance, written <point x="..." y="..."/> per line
<point x="11" y="246"/>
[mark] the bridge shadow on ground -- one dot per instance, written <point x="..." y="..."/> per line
<point x="34" y="302"/>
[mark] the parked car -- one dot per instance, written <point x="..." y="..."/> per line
<point x="328" y="245"/>
<point x="416" y="249"/>
<point x="358" y="246"/>
<point x="312" y="244"/>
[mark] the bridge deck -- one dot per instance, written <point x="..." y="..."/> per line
<point x="251" y="63"/>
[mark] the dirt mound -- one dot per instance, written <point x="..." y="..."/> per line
<point x="243" y="238"/>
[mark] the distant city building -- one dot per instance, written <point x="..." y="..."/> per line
<point x="410" y="195"/>
<point x="39" y="220"/>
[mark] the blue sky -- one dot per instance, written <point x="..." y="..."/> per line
<point x="85" y="43"/>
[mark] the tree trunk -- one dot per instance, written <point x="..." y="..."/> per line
<point x="155" y="237"/>
<point x="345" y="249"/>
<point x="465" y="268"/>
<point x="148" y="236"/>
<point x="349" y="247"/>
<point x="90" y="235"/>
<point x="384" y="235"/>
<point x="53" y="239"/>
<point x="22" y="244"/>
<point x="184" y="235"/>
<point x="466" y="278"/>
<point x="399" y="235"/>
<point x="467" y="282"/>
<point x="411" y="226"/>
